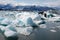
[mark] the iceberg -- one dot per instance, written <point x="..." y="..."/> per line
<point x="53" y="30"/>
<point x="24" y="31"/>
<point x="9" y="33"/>
<point x="6" y="21"/>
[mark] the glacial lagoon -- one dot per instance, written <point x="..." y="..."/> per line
<point x="50" y="30"/>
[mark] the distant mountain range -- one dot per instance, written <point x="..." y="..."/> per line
<point x="24" y="8"/>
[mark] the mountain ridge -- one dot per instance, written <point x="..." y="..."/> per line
<point x="25" y="8"/>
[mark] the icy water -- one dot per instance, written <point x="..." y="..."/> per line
<point x="50" y="32"/>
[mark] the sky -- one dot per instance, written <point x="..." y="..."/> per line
<point x="50" y="3"/>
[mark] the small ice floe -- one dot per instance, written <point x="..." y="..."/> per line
<point x="20" y="23"/>
<point x="58" y="27"/>
<point x="2" y="28"/>
<point x="1" y="19"/>
<point x="24" y="31"/>
<point x="6" y="21"/>
<point x="9" y="33"/>
<point x="37" y="22"/>
<point x="53" y="30"/>
<point x="43" y="26"/>
<point x="54" y="19"/>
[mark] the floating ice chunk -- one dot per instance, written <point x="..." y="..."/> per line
<point x="3" y="28"/>
<point x="38" y="22"/>
<point x="53" y="30"/>
<point x="22" y="17"/>
<point x="54" y="19"/>
<point x="37" y="18"/>
<point x="20" y="23"/>
<point x="1" y="19"/>
<point x="43" y="26"/>
<point x="55" y="15"/>
<point x="24" y="31"/>
<point x="31" y="23"/>
<point x="10" y="16"/>
<point x="14" y="22"/>
<point x="6" y="21"/>
<point x="9" y="33"/>
<point x="11" y="27"/>
<point x="25" y="17"/>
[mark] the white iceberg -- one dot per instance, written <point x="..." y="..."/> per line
<point x="6" y="21"/>
<point x="24" y="31"/>
<point x="9" y="33"/>
<point x="53" y="30"/>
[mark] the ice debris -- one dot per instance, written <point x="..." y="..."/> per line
<point x="13" y="23"/>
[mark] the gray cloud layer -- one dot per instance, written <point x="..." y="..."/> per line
<point x="51" y="3"/>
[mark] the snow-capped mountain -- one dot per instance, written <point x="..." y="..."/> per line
<point x="24" y="8"/>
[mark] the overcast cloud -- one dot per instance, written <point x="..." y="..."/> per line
<point x="50" y="3"/>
